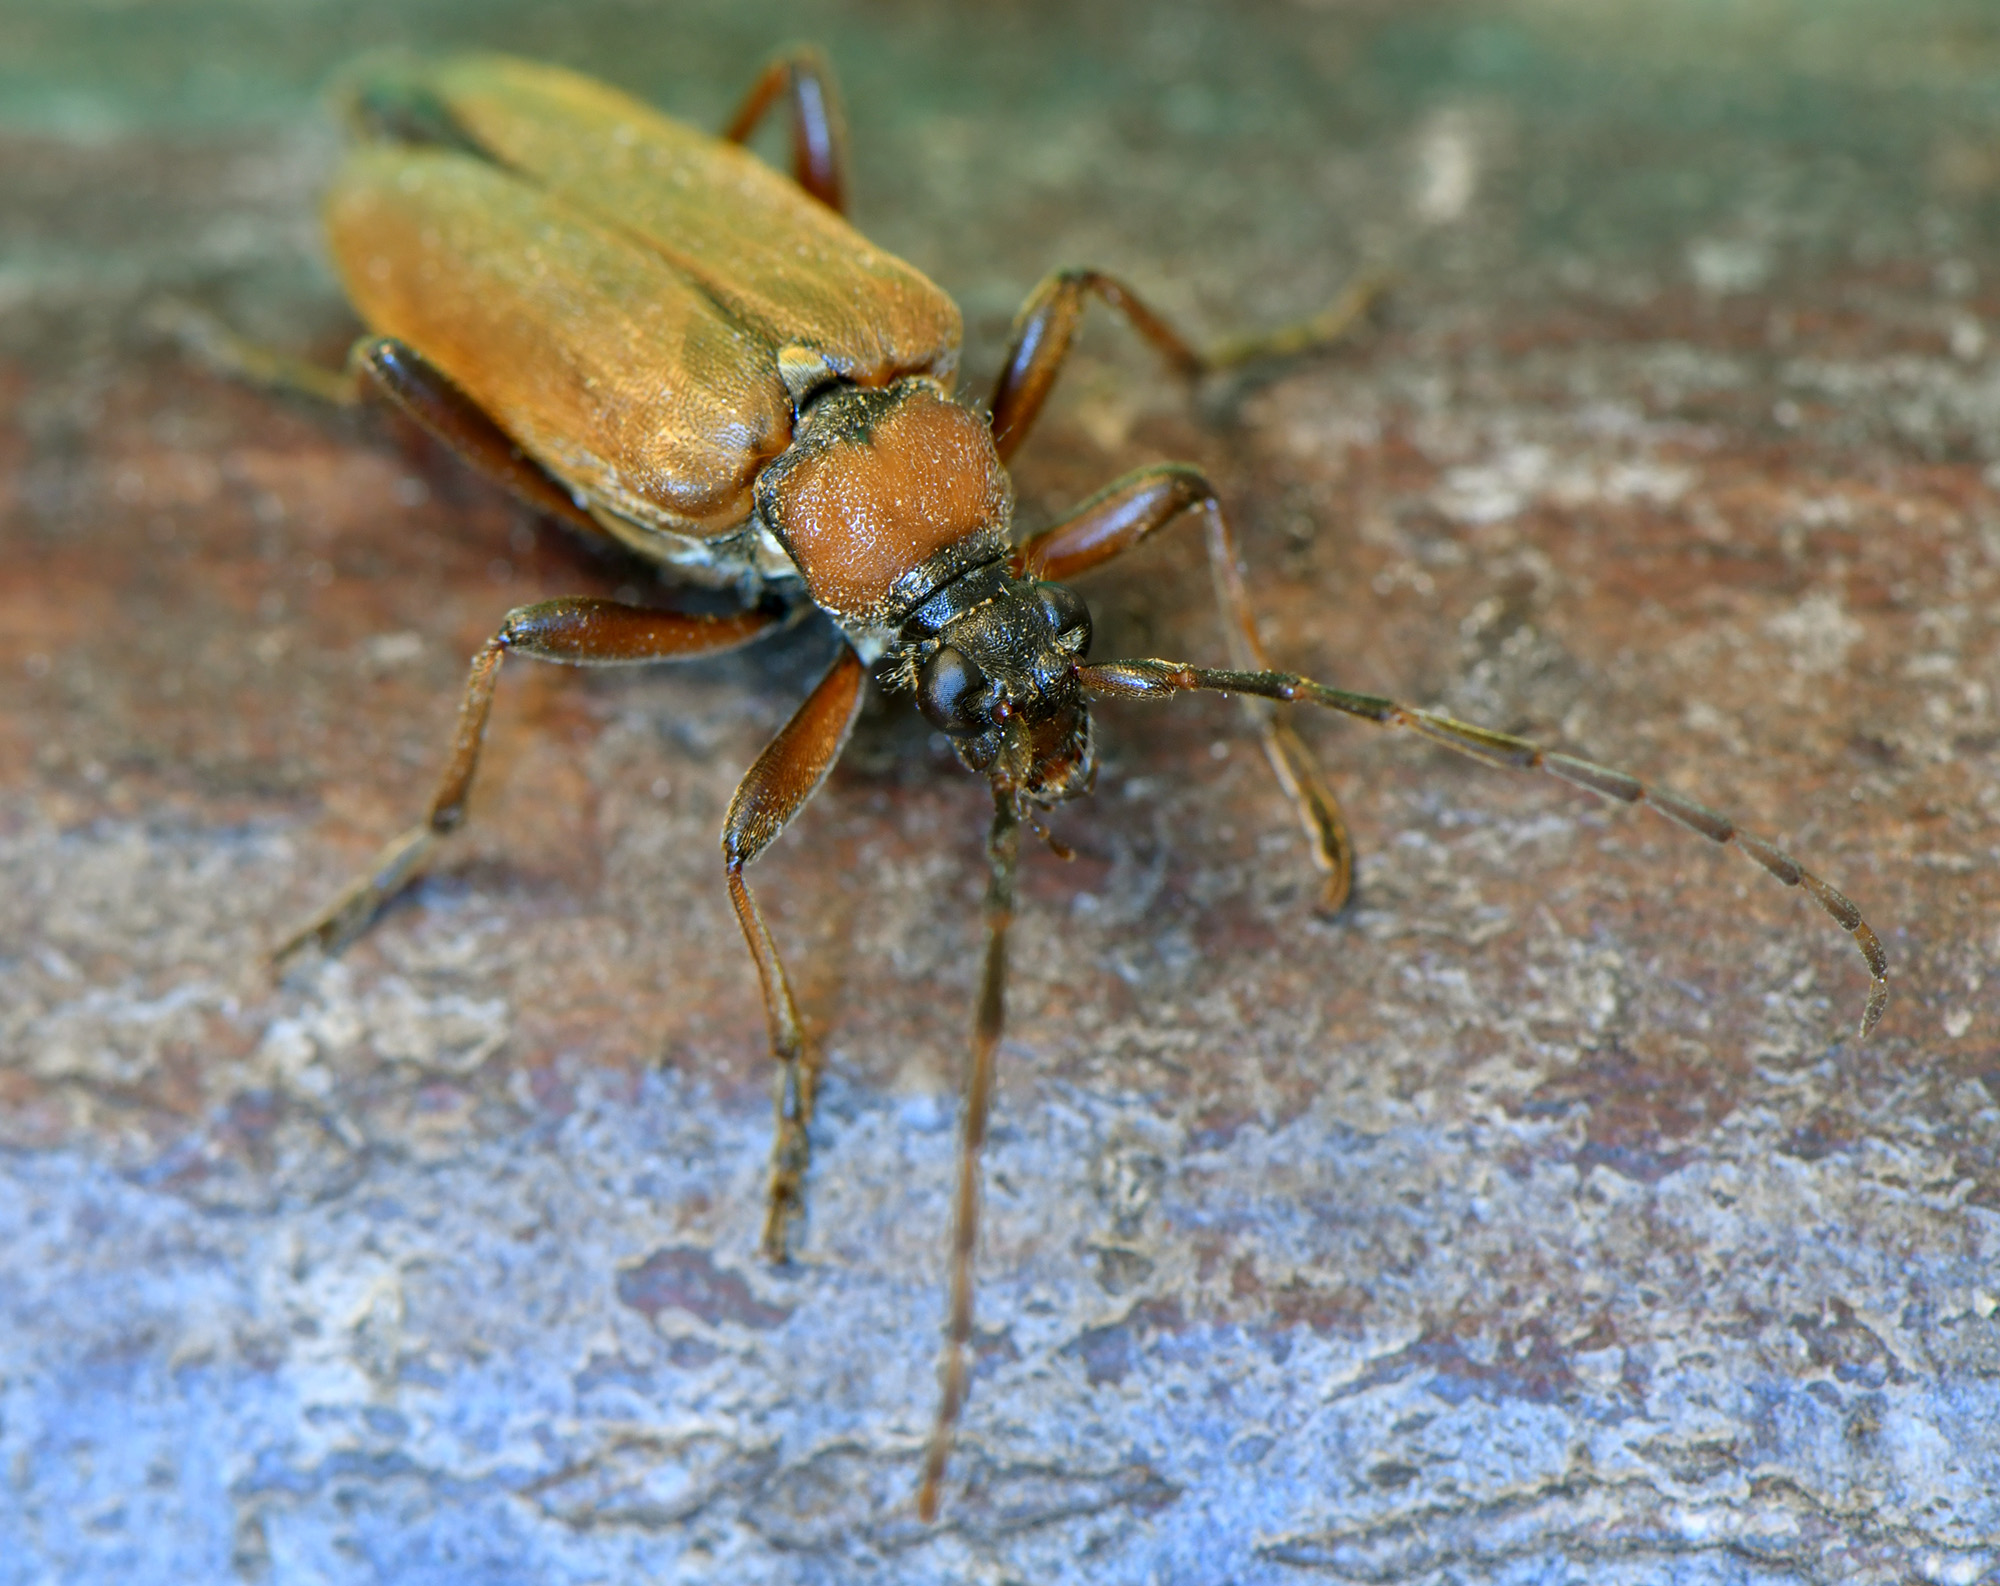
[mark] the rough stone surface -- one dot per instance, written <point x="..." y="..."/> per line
<point x="1540" y="1219"/>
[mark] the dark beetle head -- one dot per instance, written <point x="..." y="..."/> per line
<point x="993" y="659"/>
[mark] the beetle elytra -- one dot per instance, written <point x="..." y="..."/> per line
<point x="651" y="335"/>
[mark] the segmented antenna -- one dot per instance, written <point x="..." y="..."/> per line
<point x="1152" y="679"/>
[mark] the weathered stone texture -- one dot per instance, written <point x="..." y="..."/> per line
<point x="1540" y="1219"/>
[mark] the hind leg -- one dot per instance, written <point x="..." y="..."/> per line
<point x="396" y="373"/>
<point x="1048" y="323"/>
<point x="819" y="130"/>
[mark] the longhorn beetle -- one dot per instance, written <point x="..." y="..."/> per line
<point x="650" y="335"/>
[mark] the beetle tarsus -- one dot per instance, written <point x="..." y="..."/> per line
<point x="1350" y="306"/>
<point x="215" y="345"/>
<point x="796" y="1088"/>
<point x="357" y="904"/>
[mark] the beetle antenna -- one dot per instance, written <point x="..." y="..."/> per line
<point x="1164" y="679"/>
<point x="1003" y="848"/>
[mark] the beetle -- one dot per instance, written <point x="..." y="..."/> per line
<point x="652" y="336"/>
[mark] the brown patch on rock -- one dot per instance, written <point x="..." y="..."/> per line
<point x="1641" y="1108"/>
<point x="681" y="1278"/>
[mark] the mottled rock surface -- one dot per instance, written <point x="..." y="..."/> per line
<point x="1538" y="1220"/>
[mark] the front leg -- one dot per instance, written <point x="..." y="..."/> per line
<point x="1132" y="509"/>
<point x="786" y="775"/>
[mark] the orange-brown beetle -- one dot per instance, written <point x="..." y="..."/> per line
<point x="651" y="335"/>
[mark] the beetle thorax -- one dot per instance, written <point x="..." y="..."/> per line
<point x="883" y="495"/>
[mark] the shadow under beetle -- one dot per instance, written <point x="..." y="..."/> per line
<point x="649" y="334"/>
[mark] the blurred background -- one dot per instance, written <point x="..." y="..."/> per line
<point x="1538" y="1219"/>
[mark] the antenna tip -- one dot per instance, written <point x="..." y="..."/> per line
<point x="1878" y="999"/>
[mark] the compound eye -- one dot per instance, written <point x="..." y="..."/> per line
<point x="952" y="693"/>
<point x="1068" y="616"/>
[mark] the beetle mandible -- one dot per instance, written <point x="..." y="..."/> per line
<point x="650" y="335"/>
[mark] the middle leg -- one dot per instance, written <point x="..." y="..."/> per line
<point x="574" y="632"/>
<point x="1133" y="508"/>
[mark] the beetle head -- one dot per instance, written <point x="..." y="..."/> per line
<point x="894" y="505"/>
<point x="997" y="676"/>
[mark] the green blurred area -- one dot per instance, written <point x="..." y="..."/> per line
<point x="93" y="68"/>
<point x="1623" y="122"/>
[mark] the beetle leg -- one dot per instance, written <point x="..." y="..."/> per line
<point x="574" y="632"/>
<point x="1043" y="331"/>
<point x="819" y="130"/>
<point x="409" y="382"/>
<point x="1129" y="510"/>
<point x="418" y="390"/>
<point x="1153" y="679"/>
<point x="1047" y="324"/>
<point x="786" y="774"/>
<point x="1003" y="847"/>
<point x="213" y="343"/>
<point x="1349" y="306"/>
